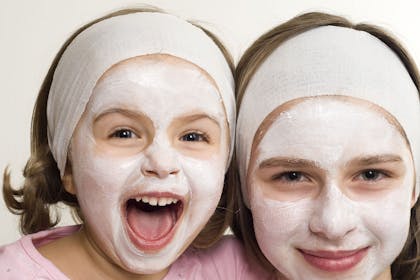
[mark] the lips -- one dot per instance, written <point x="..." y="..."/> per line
<point x="152" y="219"/>
<point x="334" y="261"/>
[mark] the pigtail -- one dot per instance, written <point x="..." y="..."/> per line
<point x="41" y="188"/>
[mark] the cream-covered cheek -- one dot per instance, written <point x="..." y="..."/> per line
<point x="331" y="212"/>
<point x="104" y="182"/>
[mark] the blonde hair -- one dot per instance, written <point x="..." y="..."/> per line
<point x="43" y="187"/>
<point x="406" y="266"/>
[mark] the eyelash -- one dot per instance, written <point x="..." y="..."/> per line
<point x="298" y="176"/>
<point x="287" y="176"/>
<point x="117" y="133"/>
<point x="378" y="175"/>
<point x="203" y="137"/>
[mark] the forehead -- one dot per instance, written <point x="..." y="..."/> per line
<point x="330" y="124"/>
<point x="148" y="82"/>
<point x="153" y="61"/>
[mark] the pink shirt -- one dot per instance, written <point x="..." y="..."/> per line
<point x="225" y="260"/>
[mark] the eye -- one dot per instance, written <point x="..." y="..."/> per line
<point x="371" y="175"/>
<point x="123" y="133"/>
<point x="292" y="176"/>
<point x="194" y="137"/>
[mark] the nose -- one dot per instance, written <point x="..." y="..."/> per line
<point x="334" y="216"/>
<point x="160" y="161"/>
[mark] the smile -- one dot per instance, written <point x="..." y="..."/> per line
<point x="334" y="261"/>
<point x="152" y="219"/>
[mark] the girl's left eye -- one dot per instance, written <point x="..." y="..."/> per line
<point x="194" y="137"/>
<point x="371" y="175"/>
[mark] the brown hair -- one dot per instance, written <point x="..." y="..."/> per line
<point x="406" y="266"/>
<point x="43" y="187"/>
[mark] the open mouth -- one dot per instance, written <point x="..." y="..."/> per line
<point x="152" y="220"/>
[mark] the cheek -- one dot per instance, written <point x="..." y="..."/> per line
<point x="278" y="226"/>
<point x="99" y="177"/>
<point x="388" y="219"/>
<point x="205" y="177"/>
<point x="206" y="186"/>
<point x="277" y="222"/>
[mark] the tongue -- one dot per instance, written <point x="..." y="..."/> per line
<point x="151" y="225"/>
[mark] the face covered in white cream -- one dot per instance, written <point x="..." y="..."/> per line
<point x="148" y="159"/>
<point x="330" y="187"/>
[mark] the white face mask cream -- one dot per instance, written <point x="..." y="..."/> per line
<point x="330" y="189"/>
<point x="148" y="159"/>
<point x="312" y="64"/>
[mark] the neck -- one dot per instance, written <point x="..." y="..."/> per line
<point x="102" y="267"/>
<point x="385" y="275"/>
<point x="85" y="260"/>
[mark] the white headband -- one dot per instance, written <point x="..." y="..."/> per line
<point x="329" y="60"/>
<point x="112" y="40"/>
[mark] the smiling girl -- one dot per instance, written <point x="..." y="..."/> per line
<point x="328" y="150"/>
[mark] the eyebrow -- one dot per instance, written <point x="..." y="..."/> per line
<point x="304" y="163"/>
<point x="370" y="160"/>
<point x="288" y="162"/>
<point x="195" y="117"/>
<point x="128" y="113"/>
<point x="135" y="114"/>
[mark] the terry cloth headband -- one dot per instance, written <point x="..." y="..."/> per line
<point x="323" y="61"/>
<point x="118" y="38"/>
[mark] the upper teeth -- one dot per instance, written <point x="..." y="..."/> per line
<point x="161" y="201"/>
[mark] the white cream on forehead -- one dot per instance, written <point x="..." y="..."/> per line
<point x="174" y="90"/>
<point x="126" y="82"/>
<point x="292" y="126"/>
<point x="331" y="133"/>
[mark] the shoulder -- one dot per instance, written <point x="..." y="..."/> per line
<point x="14" y="261"/>
<point x="21" y="259"/>
<point x="224" y="260"/>
<point x="228" y="244"/>
<point x="227" y="248"/>
<point x="17" y="260"/>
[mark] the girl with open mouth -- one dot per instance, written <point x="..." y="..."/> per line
<point x="328" y="150"/>
<point x="133" y="127"/>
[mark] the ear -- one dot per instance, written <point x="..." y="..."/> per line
<point x="67" y="179"/>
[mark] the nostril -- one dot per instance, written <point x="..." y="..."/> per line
<point x="149" y="172"/>
<point x="161" y="173"/>
<point x="174" y="172"/>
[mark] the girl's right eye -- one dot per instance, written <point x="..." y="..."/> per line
<point x="123" y="133"/>
<point x="290" y="176"/>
